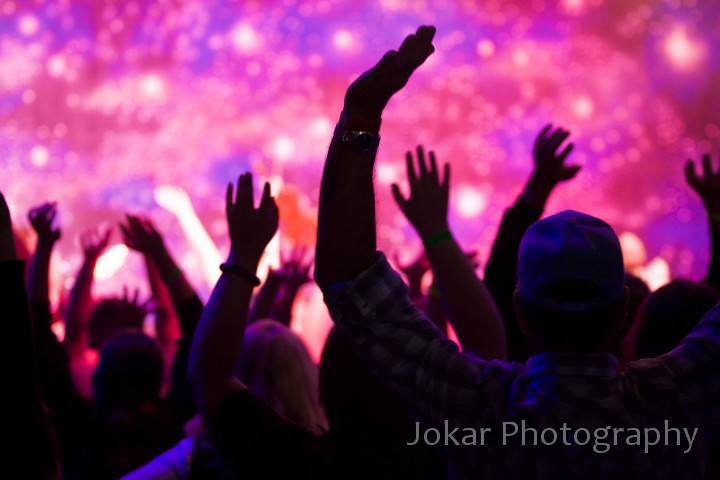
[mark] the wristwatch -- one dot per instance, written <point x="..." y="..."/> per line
<point x="361" y="142"/>
<point x="360" y="134"/>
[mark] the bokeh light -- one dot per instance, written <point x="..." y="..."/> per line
<point x="104" y="102"/>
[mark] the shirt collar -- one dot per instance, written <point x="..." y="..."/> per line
<point x="572" y="364"/>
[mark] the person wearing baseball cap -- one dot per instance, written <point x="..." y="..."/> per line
<point x="571" y="293"/>
<point x="570" y="412"/>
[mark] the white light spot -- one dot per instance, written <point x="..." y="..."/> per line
<point x="283" y="148"/>
<point x="683" y="52"/>
<point x="386" y="173"/>
<point x="39" y="156"/>
<point x="583" y="107"/>
<point x="321" y="127"/>
<point x="152" y="87"/>
<point x="485" y="48"/>
<point x="28" y="25"/>
<point x="56" y="65"/>
<point x="343" y="40"/>
<point x="110" y="262"/>
<point x="470" y="202"/>
<point x="245" y="38"/>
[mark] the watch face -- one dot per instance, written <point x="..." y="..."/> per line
<point x="365" y="142"/>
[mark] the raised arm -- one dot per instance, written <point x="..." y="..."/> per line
<point x="346" y="218"/>
<point x="469" y="306"/>
<point x="41" y="218"/>
<point x="31" y="450"/>
<point x="80" y="304"/>
<point x="183" y="312"/>
<point x="366" y="298"/>
<point x="215" y="349"/>
<point x="294" y="273"/>
<point x="708" y="187"/>
<point x="549" y="170"/>
<point x="141" y="235"/>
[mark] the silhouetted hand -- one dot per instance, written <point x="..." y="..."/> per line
<point x="94" y="242"/>
<point x="41" y="218"/>
<point x="131" y="309"/>
<point x="550" y="165"/>
<point x="708" y="187"/>
<point x="427" y="206"/>
<point x="295" y="271"/>
<point x="141" y="235"/>
<point x="251" y="229"/>
<point x="368" y="95"/>
<point x="550" y="168"/>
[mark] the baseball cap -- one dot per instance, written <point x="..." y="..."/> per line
<point x="570" y="246"/>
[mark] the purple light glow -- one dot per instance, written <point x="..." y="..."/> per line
<point x="102" y="102"/>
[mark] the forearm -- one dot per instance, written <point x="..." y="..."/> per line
<point x="470" y="308"/>
<point x="346" y="217"/>
<point x="38" y="278"/>
<point x="79" y="309"/>
<point x="166" y="323"/>
<point x="501" y="272"/>
<point x="173" y="277"/>
<point x="536" y="193"/>
<point x="263" y="302"/>
<point x="216" y="346"/>
<point x="415" y="359"/>
<point x="433" y="308"/>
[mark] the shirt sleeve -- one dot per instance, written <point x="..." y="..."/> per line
<point x="691" y="373"/>
<point x="410" y="355"/>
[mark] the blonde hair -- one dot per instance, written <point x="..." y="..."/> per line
<point x="275" y="364"/>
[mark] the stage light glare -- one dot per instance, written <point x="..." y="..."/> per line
<point x="28" y="25"/>
<point x="245" y="39"/>
<point x="283" y="148"/>
<point x="110" y="262"/>
<point x="683" y="52"/>
<point x="343" y="40"/>
<point x="583" y="107"/>
<point x="471" y="202"/>
<point x="39" y="156"/>
<point x="152" y="87"/>
<point x="56" y="65"/>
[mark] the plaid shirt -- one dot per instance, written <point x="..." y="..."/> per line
<point x="578" y="398"/>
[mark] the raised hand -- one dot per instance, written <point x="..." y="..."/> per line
<point x="708" y="187"/>
<point x="427" y="206"/>
<point x="251" y="229"/>
<point x="141" y="235"/>
<point x="550" y="167"/>
<point x="295" y="271"/>
<point x="94" y="241"/>
<point x="367" y="96"/>
<point x="132" y="308"/>
<point x="41" y="218"/>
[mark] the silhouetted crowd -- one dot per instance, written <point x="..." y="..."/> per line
<point x="565" y="365"/>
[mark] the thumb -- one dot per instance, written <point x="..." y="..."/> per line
<point x="399" y="199"/>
